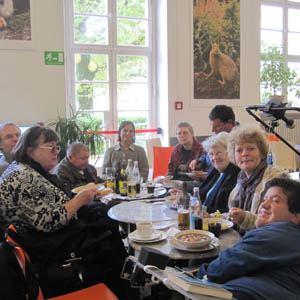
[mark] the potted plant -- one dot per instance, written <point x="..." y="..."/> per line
<point x="79" y="126"/>
<point x="276" y="75"/>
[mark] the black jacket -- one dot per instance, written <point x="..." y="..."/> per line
<point x="222" y="194"/>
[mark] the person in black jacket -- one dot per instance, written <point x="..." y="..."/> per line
<point x="222" y="176"/>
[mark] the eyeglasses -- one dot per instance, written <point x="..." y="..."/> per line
<point x="216" y="154"/>
<point x="52" y="148"/>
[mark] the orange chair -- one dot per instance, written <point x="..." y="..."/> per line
<point x="96" y="292"/>
<point x="161" y="158"/>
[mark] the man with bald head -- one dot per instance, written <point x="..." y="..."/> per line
<point x="9" y="136"/>
<point x="74" y="170"/>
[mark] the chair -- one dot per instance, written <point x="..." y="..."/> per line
<point x="150" y="143"/>
<point x="161" y="158"/>
<point x="96" y="292"/>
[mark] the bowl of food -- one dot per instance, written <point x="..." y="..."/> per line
<point x="194" y="238"/>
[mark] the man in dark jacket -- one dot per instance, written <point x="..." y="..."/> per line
<point x="74" y="170"/>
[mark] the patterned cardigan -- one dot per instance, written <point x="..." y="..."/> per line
<point x="29" y="200"/>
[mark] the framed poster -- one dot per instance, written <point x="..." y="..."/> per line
<point x="216" y="50"/>
<point x="16" y="22"/>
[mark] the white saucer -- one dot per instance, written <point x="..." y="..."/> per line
<point x="156" y="236"/>
<point x="135" y="236"/>
<point x="214" y="244"/>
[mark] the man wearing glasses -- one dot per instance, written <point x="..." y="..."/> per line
<point x="9" y="136"/>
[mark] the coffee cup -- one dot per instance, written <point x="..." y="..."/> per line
<point x="144" y="229"/>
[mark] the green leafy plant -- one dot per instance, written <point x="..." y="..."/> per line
<point x="79" y="126"/>
<point x="276" y="75"/>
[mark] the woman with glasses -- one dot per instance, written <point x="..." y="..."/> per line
<point x="50" y="222"/>
<point x="248" y="149"/>
<point x="221" y="179"/>
<point x="187" y="149"/>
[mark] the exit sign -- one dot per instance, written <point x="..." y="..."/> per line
<point x="54" y="58"/>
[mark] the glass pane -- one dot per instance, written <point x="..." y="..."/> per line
<point x="273" y="38"/>
<point x="95" y="7"/>
<point x="132" y="8"/>
<point x="294" y="19"/>
<point x="92" y="96"/>
<point x="133" y="96"/>
<point x="293" y="100"/>
<point x="132" y="68"/>
<point x="91" y="67"/>
<point x="271" y="17"/>
<point x="132" y="32"/>
<point x="90" y="30"/>
<point x="293" y="43"/>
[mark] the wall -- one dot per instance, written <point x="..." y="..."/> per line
<point x="30" y="90"/>
<point x="180" y="66"/>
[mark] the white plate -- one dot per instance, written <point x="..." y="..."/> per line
<point x="78" y="188"/>
<point x="159" y="237"/>
<point x="172" y="183"/>
<point x="214" y="243"/>
<point x="171" y="204"/>
<point x="224" y="223"/>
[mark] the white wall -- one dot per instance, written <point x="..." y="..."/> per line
<point x="180" y="66"/>
<point x="29" y="90"/>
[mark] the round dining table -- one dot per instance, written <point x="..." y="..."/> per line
<point x="158" y="213"/>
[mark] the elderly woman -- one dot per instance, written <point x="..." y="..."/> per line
<point x="47" y="220"/>
<point x="187" y="150"/>
<point x="126" y="149"/>
<point x="221" y="179"/>
<point x="248" y="149"/>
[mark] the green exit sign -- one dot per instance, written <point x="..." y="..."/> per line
<point x="54" y="58"/>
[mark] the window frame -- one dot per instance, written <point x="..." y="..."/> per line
<point x="285" y="5"/>
<point x="112" y="50"/>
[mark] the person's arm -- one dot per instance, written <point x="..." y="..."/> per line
<point x="143" y="163"/>
<point x="82" y="198"/>
<point x="259" y="249"/>
<point x="46" y="207"/>
<point x="107" y="159"/>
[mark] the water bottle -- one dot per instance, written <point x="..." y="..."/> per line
<point x="137" y="176"/>
<point x="196" y="212"/>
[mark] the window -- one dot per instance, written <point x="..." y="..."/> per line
<point x="109" y="61"/>
<point x="280" y="26"/>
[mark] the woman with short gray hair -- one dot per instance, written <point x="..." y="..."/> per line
<point x="221" y="179"/>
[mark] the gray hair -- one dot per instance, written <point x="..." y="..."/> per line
<point x="3" y="125"/>
<point x="75" y="148"/>
<point x="187" y="125"/>
<point x="219" y="139"/>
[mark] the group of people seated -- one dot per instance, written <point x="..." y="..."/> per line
<point x="35" y="196"/>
